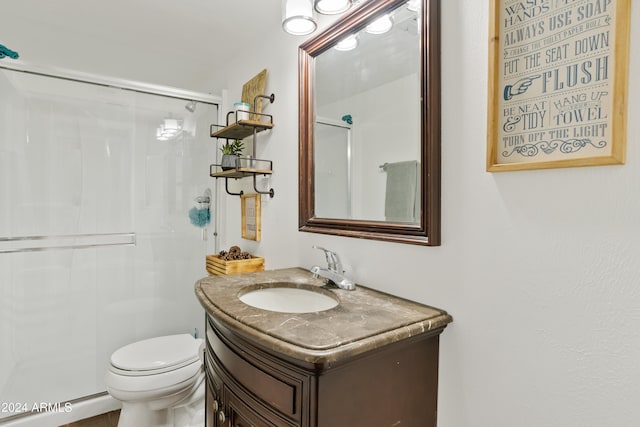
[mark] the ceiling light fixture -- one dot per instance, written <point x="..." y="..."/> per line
<point x="169" y="129"/>
<point x="171" y="126"/>
<point x="297" y="17"/>
<point x="348" y="43"/>
<point x="331" y="7"/>
<point x="160" y="136"/>
<point x="380" y="25"/>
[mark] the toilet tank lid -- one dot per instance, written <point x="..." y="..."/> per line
<point x="157" y="353"/>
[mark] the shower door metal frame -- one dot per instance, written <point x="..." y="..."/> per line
<point x="130" y="85"/>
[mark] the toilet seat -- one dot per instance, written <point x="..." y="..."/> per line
<point x="156" y="355"/>
<point x="155" y="364"/>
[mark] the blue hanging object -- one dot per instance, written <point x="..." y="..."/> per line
<point x="200" y="217"/>
<point x="5" y="51"/>
<point x="347" y="118"/>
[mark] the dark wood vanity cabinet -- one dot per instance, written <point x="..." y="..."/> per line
<point x="249" y="384"/>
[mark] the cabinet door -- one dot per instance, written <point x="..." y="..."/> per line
<point x="237" y="420"/>
<point x="213" y="398"/>
<point x="212" y="406"/>
<point x="249" y="413"/>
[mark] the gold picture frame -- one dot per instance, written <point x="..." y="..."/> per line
<point x="250" y="210"/>
<point x="558" y="75"/>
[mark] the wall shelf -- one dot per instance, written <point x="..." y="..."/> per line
<point x="239" y="173"/>
<point x="247" y="166"/>
<point x="240" y="129"/>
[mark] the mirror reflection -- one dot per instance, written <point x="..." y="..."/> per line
<point x="367" y="127"/>
<point x="369" y="111"/>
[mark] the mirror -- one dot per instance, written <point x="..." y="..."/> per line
<point x="369" y="137"/>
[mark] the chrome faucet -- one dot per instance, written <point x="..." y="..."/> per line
<point x="334" y="272"/>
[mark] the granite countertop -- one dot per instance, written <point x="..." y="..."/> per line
<point x="364" y="319"/>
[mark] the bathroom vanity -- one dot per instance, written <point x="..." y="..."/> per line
<point x="371" y="361"/>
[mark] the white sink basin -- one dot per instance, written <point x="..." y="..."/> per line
<point x="287" y="299"/>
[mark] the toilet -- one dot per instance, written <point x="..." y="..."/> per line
<point x="160" y="382"/>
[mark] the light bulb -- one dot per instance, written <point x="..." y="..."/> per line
<point x="348" y="43"/>
<point x="160" y="136"/>
<point x="331" y="7"/>
<point x="297" y="17"/>
<point x="380" y="25"/>
<point x="171" y="126"/>
<point x="413" y="5"/>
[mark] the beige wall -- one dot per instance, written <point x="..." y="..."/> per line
<point x="540" y="269"/>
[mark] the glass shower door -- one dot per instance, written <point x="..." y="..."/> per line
<point x="96" y="247"/>
<point x="332" y="160"/>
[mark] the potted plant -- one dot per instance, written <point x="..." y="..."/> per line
<point x="231" y="154"/>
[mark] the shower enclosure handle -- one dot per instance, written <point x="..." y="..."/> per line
<point x="10" y="245"/>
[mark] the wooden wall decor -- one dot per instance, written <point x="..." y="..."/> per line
<point x="558" y="73"/>
<point x="250" y="216"/>
<point x="252" y="88"/>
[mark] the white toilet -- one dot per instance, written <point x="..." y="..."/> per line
<point x="160" y="382"/>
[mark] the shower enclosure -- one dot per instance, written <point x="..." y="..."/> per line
<point x="332" y="160"/>
<point x="96" y="246"/>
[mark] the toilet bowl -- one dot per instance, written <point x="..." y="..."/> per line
<point x="160" y="382"/>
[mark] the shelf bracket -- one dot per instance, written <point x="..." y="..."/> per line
<point x="271" y="192"/>
<point x="226" y="187"/>
<point x="271" y="99"/>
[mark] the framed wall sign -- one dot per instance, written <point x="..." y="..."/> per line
<point x="250" y="216"/>
<point x="558" y="74"/>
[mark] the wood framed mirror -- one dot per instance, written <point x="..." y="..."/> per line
<point x="369" y="135"/>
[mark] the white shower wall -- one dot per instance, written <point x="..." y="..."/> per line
<point x="81" y="163"/>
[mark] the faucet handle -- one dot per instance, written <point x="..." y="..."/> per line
<point x="333" y="260"/>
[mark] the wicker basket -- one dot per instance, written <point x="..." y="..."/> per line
<point x="218" y="266"/>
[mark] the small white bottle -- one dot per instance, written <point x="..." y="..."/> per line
<point x="242" y="110"/>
